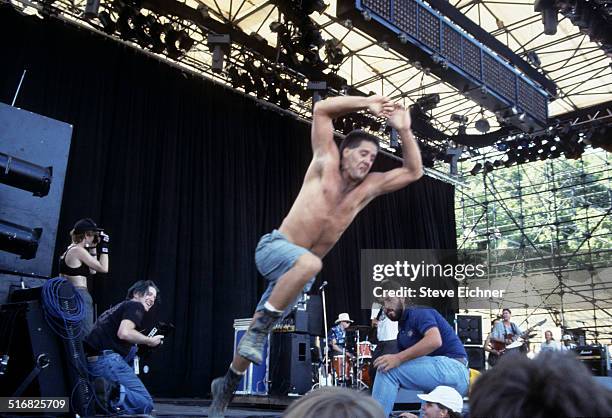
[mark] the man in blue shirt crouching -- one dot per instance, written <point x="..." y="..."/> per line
<point x="430" y="354"/>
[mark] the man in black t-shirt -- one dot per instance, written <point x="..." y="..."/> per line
<point x="112" y="343"/>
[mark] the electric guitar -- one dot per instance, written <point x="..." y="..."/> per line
<point x="501" y="346"/>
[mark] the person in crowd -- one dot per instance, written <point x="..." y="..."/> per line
<point x="551" y="385"/>
<point x="489" y="346"/>
<point x="87" y="255"/>
<point x="568" y="343"/>
<point x="549" y="344"/>
<point x="430" y="353"/>
<point x="334" y="402"/>
<point x="386" y="334"/>
<point x="337" y="334"/>
<point x="111" y="345"/>
<point x="442" y="402"/>
<point x="506" y="331"/>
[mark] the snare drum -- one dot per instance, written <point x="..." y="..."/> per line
<point x="364" y="349"/>
<point x="342" y="366"/>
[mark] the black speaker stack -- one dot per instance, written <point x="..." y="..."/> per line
<point x="469" y="331"/>
<point x="594" y="357"/>
<point x="290" y="349"/>
<point x="39" y="362"/>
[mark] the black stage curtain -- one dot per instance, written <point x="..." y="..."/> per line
<point x="186" y="175"/>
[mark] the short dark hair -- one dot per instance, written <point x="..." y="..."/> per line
<point x="141" y="287"/>
<point x="354" y="138"/>
<point x="507" y="309"/>
<point x="450" y="412"/>
<point x="336" y="402"/>
<point x="520" y="387"/>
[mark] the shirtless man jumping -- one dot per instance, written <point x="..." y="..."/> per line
<point x="336" y="187"/>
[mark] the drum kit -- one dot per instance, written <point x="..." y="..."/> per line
<point x="352" y="367"/>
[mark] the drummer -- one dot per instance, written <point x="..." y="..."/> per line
<point x="337" y="335"/>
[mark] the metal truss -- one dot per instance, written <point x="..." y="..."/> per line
<point x="370" y="65"/>
<point x="547" y="232"/>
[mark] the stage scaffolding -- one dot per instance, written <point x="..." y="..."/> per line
<point x="546" y="230"/>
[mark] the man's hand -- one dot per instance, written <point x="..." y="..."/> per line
<point x="387" y="362"/>
<point x="399" y="118"/>
<point x="380" y="106"/>
<point x="155" y="340"/>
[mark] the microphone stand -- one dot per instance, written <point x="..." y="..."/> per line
<point x="322" y="289"/>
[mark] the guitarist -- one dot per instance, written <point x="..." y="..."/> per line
<point x="505" y="332"/>
<point x="492" y="347"/>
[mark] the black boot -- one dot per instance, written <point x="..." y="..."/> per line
<point x="222" y="389"/>
<point x="252" y="343"/>
<point x="107" y="392"/>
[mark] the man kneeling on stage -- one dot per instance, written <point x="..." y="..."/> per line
<point x="430" y="354"/>
<point x="111" y="345"/>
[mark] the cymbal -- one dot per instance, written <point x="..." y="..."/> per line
<point x="359" y="328"/>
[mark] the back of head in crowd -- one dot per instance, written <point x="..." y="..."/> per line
<point x="552" y="385"/>
<point x="335" y="402"/>
<point x="141" y="287"/>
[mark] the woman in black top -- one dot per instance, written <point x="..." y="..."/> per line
<point x="80" y="261"/>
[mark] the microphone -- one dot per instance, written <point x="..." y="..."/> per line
<point x="323" y="285"/>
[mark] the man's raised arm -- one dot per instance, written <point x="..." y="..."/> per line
<point x="325" y="111"/>
<point x="411" y="170"/>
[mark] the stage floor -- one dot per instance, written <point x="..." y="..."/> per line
<point x="199" y="408"/>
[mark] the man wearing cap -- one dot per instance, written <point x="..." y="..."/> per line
<point x="442" y="402"/>
<point x="87" y="255"/>
<point x="568" y="343"/>
<point x="430" y="353"/>
<point x="337" y="334"/>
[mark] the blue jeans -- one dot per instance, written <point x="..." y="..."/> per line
<point x="274" y="256"/>
<point x="135" y="398"/>
<point x="423" y="373"/>
<point x="88" y="320"/>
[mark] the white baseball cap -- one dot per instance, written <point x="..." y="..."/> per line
<point x="445" y="396"/>
<point x="567" y="337"/>
<point x="344" y="317"/>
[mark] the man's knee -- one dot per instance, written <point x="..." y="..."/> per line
<point x="310" y="263"/>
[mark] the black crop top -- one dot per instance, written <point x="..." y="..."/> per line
<point x="82" y="270"/>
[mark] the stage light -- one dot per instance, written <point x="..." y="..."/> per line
<point x="533" y="58"/>
<point x="482" y="125"/>
<point x="549" y="15"/>
<point x="476" y="169"/>
<point x="277" y="27"/>
<point x="91" y="9"/>
<point x="203" y="9"/>
<point x="124" y="23"/>
<point x="403" y="38"/>
<point x="220" y="45"/>
<point x="333" y="52"/>
<point x="459" y="118"/>
<point x="502" y="146"/>
<point x="488" y="167"/>
<point x="19" y="240"/>
<point x="428" y="102"/>
<point x="283" y="99"/>
<point x="109" y="25"/>
<point x="155" y="31"/>
<point x="25" y="175"/>
<point x="234" y="77"/>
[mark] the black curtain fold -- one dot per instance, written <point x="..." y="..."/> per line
<point x="186" y="176"/>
